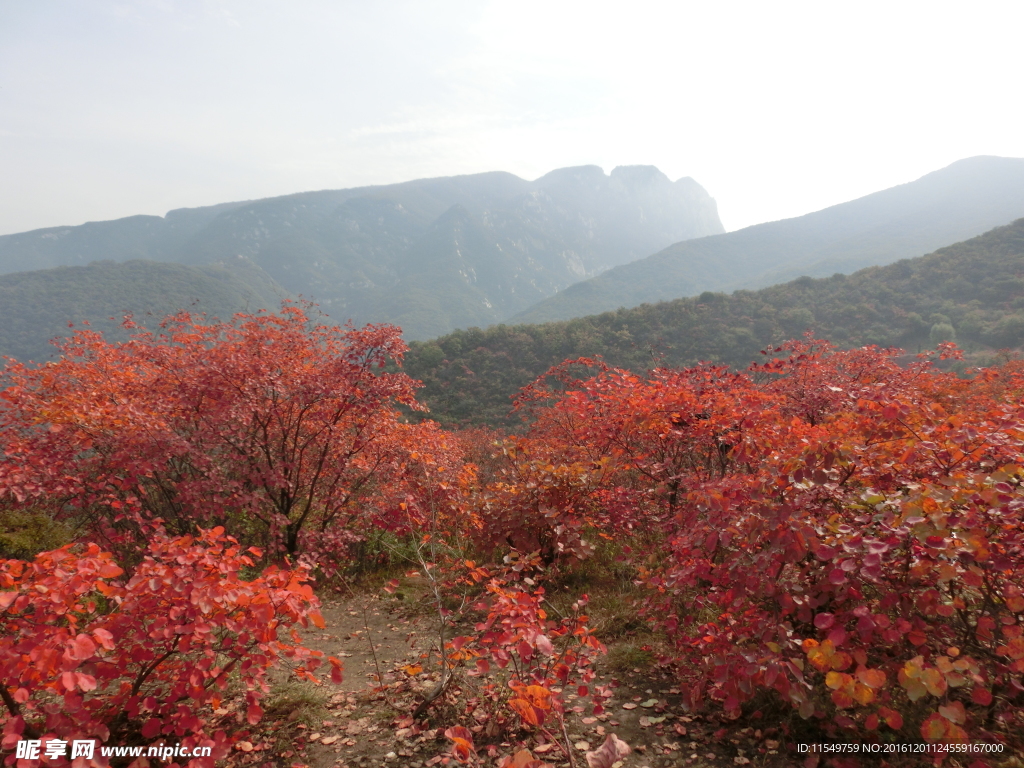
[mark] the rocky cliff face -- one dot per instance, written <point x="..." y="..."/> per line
<point x="431" y="255"/>
<point x="954" y="203"/>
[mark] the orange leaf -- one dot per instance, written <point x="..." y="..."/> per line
<point x="836" y="680"/>
<point x="934" y="682"/>
<point x="892" y="718"/>
<point x="873" y="678"/>
<point x="934" y="728"/>
<point x="525" y="710"/>
<point x="863" y="694"/>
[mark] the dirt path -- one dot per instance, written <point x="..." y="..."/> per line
<point x="369" y="721"/>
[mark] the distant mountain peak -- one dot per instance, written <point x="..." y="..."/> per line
<point x="430" y="255"/>
<point x="578" y="173"/>
<point x="637" y="175"/>
<point x="945" y="206"/>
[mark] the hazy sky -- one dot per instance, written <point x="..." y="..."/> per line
<point x="109" y="109"/>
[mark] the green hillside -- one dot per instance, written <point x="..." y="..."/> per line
<point x="972" y="291"/>
<point x="38" y="306"/>
<point x="430" y="255"/>
<point x="952" y="204"/>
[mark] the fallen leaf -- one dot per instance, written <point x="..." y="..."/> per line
<point x="329" y="739"/>
<point x="629" y="705"/>
<point x="613" y="750"/>
<point x="647" y="722"/>
<point x="649" y="703"/>
<point x="521" y="759"/>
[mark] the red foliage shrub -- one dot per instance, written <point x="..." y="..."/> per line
<point x="86" y="652"/>
<point x="264" y="425"/>
<point x="838" y="529"/>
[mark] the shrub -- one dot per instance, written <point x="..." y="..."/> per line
<point x="89" y="652"/>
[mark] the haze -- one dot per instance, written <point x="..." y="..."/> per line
<point x="109" y="109"/>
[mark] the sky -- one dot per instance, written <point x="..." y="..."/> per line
<point x="112" y="108"/>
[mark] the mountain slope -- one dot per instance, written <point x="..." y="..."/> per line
<point x="38" y="306"/>
<point x="431" y="255"/>
<point x="159" y="238"/>
<point x="972" y="292"/>
<point x="957" y="202"/>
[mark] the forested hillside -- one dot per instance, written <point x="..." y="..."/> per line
<point x="38" y="306"/>
<point x="972" y="292"/>
<point x="949" y="205"/>
<point x="430" y="255"/>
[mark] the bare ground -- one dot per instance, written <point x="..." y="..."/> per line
<point x="368" y="718"/>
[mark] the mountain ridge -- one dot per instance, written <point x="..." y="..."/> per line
<point x="354" y="250"/>
<point x="951" y="204"/>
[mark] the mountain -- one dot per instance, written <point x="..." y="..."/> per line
<point x="960" y="201"/>
<point x="37" y="306"/>
<point x="971" y="292"/>
<point x="430" y="255"/>
<point x="159" y="238"/>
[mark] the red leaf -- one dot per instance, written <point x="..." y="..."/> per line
<point x="336" y="670"/>
<point x="152" y="728"/>
<point x="462" y="743"/>
<point x="254" y="713"/>
<point x="892" y="718"/>
<point x="104" y="638"/>
<point x="824" y="620"/>
<point x="544" y="645"/>
<point x="981" y="696"/>
<point x="82" y="648"/>
<point x="85" y="682"/>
